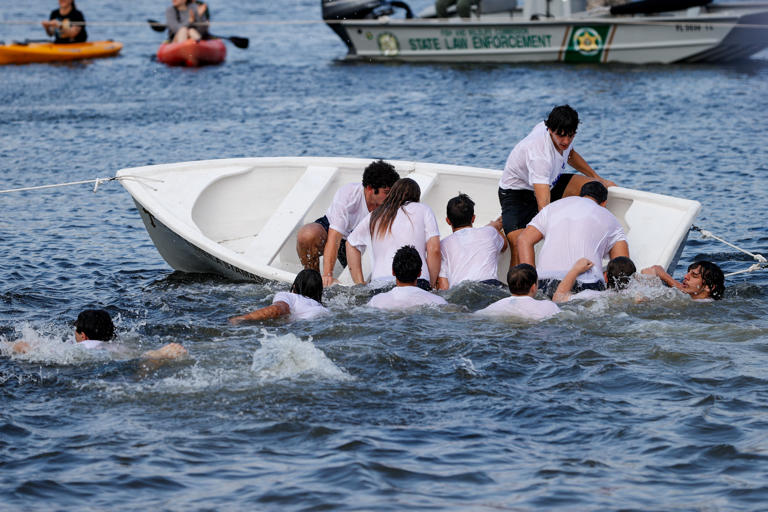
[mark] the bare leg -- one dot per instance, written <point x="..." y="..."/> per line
<point x="181" y="35"/>
<point x="574" y="185"/>
<point x="310" y="242"/>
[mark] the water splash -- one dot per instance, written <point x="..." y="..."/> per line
<point x="288" y="357"/>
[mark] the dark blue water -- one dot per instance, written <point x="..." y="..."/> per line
<point x="612" y="406"/>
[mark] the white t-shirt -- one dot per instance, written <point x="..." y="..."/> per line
<point x="470" y="254"/>
<point x="521" y="306"/>
<point x="573" y="228"/>
<point x="302" y="308"/>
<point x="534" y="160"/>
<point x="586" y="295"/>
<point x="404" y="297"/>
<point x="91" y="344"/>
<point x="414" y="225"/>
<point x="347" y="209"/>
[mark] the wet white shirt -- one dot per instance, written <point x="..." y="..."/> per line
<point x="534" y="160"/>
<point x="347" y="209"/>
<point x="521" y="306"/>
<point x="573" y="228"/>
<point x="404" y="297"/>
<point x="414" y="224"/>
<point x="302" y="308"/>
<point x="470" y="254"/>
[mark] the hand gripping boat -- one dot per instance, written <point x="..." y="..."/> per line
<point x="191" y="53"/>
<point x="29" y="52"/>
<point x="238" y="218"/>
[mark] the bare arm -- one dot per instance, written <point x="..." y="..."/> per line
<point x="355" y="262"/>
<point x="276" y="310"/>
<point x="433" y="259"/>
<point x="169" y="351"/>
<point x="620" y="248"/>
<point x="576" y="161"/>
<point x="497" y="225"/>
<point x="667" y="279"/>
<point x="442" y="283"/>
<point x="525" y="242"/>
<point x="332" y="244"/>
<point x="563" y="292"/>
<point x="542" y="193"/>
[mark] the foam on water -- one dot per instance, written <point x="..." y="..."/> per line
<point x="289" y="357"/>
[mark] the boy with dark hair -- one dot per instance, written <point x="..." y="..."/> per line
<point x="94" y="329"/>
<point x="303" y="302"/>
<point x="617" y="275"/>
<point x="522" y="281"/>
<point x="573" y="228"/>
<point x="406" y="267"/>
<point x="533" y="175"/>
<point x="352" y="202"/>
<point x="469" y="254"/>
<point x="703" y="281"/>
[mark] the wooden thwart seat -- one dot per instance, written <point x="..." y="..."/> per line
<point x="290" y="213"/>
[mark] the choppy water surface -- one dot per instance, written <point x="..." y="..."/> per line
<point x="613" y="405"/>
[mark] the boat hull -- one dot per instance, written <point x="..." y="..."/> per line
<point x="717" y="37"/>
<point x="28" y="53"/>
<point x="191" y="53"/>
<point x="238" y="218"/>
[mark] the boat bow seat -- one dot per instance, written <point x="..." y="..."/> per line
<point x="289" y="214"/>
<point x="425" y="181"/>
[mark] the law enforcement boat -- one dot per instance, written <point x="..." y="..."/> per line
<point x="512" y="31"/>
<point x="238" y="218"/>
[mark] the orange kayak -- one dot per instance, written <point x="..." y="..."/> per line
<point x="192" y="53"/>
<point x="25" y="53"/>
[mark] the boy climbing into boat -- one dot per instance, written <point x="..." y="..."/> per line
<point x="406" y="267"/>
<point x="351" y="204"/>
<point x="533" y="175"/>
<point x="617" y="275"/>
<point x="469" y="253"/>
<point x="703" y="281"/>
<point x="573" y="228"/>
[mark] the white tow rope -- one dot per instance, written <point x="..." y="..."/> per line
<point x="96" y="183"/>
<point x="761" y="261"/>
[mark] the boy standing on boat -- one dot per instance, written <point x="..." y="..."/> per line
<point x="533" y="175"/>
<point x="351" y="204"/>
<point x="469" y="253"/>
<point x="573" y="228"/>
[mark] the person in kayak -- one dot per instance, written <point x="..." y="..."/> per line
<point x="534" y="175"/>
<point x="303" y="302"/>
<point x="66" y="24"/>
<point x="187" y="20"/>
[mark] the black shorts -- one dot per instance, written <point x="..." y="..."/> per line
<point x="549" y="286"/>
<point x="341" y="255"/>
<point x="518" y="207"/>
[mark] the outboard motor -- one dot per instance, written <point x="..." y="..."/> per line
<point x="359" y="10"/>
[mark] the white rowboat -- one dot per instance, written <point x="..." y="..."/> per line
<point x="238" y="218"/>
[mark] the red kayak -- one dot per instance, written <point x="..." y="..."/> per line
<point x="192" y="53"/>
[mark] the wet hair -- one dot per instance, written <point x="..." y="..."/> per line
<point x="96" y="324"/>
<point x="406" y="264"/>
<point x="460" y="211"/>
<point x="520" y="278"/>
<point x="308" y="283"/>
<point x="595" y="190"/>
<point x="619" y="272"/>
<point x="404" y="191"/>
<point x="563" y="121"/>
<point x="379" y="174"/>
<point x="712" y="276"/>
